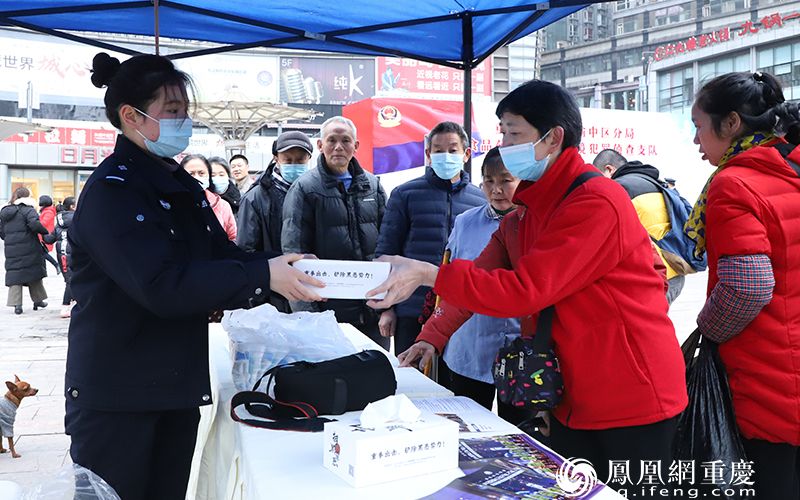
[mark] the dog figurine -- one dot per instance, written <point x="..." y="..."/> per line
<point x="17" y="390"/>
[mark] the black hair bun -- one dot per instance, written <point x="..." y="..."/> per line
<point x="104" y="67"/>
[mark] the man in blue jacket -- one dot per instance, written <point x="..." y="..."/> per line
<point x="419" y="217"/>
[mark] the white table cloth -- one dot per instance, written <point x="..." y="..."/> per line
<point x="237" y="462"/>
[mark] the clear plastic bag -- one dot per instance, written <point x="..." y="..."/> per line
<point x="72" y="482"/>
<point x="263" y="337"/>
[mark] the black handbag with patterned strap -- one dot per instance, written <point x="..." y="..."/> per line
<point x="526" y="372"/>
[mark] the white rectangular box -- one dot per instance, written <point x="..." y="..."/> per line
<point x="364" y="456"/>
<point x="345" y="279"/>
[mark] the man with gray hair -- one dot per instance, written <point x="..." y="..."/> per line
<point x="334" y="212"/>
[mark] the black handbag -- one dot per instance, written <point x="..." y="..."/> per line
<point x="305" y="390"/>
<point x="526" y="372"/>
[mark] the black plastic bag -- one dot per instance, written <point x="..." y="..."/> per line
<point x="707" y="428"/>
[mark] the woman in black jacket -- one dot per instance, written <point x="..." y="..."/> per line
<point x="150" y="261"/>
<point x="20" y="229"/>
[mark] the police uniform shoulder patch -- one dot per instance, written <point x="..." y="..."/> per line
<point x="115" y="179"/>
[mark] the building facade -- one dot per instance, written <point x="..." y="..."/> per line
<point x="658" y="53"/>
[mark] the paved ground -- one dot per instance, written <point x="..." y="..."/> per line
<point x="34" y="346"/>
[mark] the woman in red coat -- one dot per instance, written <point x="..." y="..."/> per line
<point x="748" y="220"/>
<point x="589" y="256"/>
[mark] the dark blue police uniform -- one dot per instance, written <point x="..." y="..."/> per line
<point x="150" y="261"/>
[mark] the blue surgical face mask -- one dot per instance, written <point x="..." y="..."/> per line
<point x="291" y="171"/>
<point x="447" y="165"/>
<point x="220" y="184"/>
<point x="521" y="160"/>
<point x="173" y="136"/>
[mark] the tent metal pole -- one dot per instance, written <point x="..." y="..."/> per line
<point x="155" y="17"/>
<point x="468" y="55"/>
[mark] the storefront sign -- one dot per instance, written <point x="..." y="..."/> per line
<point x="771" y="21"/>
<point x="314" y="80"/>
<point x="71" y="136"/>
<point x="400" y="77"/>
<point x="254" y="77"/>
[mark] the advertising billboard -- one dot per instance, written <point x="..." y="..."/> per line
<point x="316" y="80"/>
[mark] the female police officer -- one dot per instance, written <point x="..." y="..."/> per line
<point x="150" y="262"/>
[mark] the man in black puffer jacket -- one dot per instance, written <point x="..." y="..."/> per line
<point x="260" y="218"/>
<point x="334" y="211"/>
<point x="419" y="218"/>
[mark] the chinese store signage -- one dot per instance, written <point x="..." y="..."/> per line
<point x="769" y="22"/>
<point x="76" y="146"/>
<point x="400" y="77"/>
<point x="313" y="80"/>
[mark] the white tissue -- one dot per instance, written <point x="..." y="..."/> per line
<point x="389" y="410"/>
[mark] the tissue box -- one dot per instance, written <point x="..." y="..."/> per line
<point x="363" y="456"/>
<point x="345" y="279"/>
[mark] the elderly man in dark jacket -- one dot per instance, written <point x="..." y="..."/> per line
<point x="334" y="212"/>
<point x="419" y="217"/>
<point x="260" y="218"/>
<point x="20" y="229"/>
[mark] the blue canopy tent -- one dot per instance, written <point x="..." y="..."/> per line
<point x="455" y="33"/>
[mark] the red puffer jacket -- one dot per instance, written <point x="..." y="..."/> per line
<point x="48" y="219"/>
<point x="590" y="257"/>
<point x="754" y="208"/>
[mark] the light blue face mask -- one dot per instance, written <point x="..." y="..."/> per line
<point x="220" y="184"/>
<point x="173" y="136"/>
<point x="521" y="160"/>
<point x="291" y="171"/>
<point x="447" y="165"/>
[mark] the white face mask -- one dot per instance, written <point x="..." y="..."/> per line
<point x="204" y="182"/>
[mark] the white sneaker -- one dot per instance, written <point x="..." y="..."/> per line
<point x="65" y="311"/>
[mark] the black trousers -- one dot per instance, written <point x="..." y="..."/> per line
<point x="142" y="455"/>
<point x="776" y="469"/>
<point x="652" y="442"/>
<point x="67" y="290"/>
<point x="405" y="335"/>
<point x="371" y="330"/>
<point x="483" y="394"/>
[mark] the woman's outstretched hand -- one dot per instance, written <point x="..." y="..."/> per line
<point x="288" y="281"/>
<point x="421" y="350"/>
<point x="406" y="276"/>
